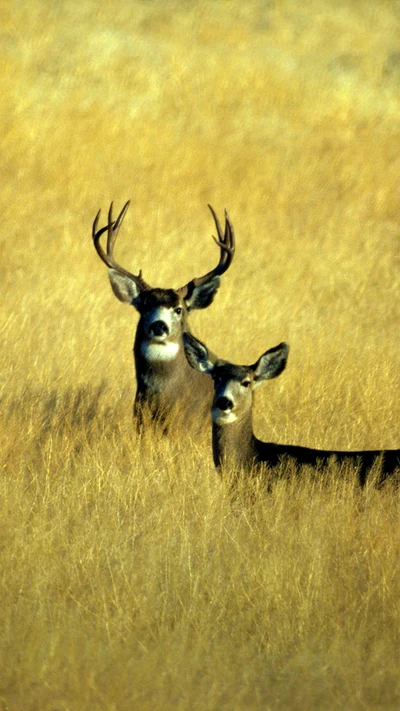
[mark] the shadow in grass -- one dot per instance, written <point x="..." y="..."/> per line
<point x="65" y="419"/>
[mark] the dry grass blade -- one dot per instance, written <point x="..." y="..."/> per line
<point x="128" y="579"/>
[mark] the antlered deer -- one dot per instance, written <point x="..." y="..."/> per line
<point x="164" y="378"/>
<point x="233" y="439"/>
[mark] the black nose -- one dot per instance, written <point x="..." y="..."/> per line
<point x="158" y="328"/>
<point x="223" y="403"/>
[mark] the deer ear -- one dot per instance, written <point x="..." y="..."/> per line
<point x="271" y="364"/>
<point x="201" y="296"/>
<point x="124" y="288"/>
<point x="197" y="354"/>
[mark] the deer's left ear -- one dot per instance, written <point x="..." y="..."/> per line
<point x="197" y="354"/>
<point x="271" y="364"/>
<point x="201" y="296"/>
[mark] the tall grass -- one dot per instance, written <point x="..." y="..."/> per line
<point x="128" y="579"/>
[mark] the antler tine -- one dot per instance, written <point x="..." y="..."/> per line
<point x="217" y="223"/>
<point x="112" y="228"/>
<point x="96" y="234"/>
<point x="228" y="241"/>
<point x="110" y="239"/>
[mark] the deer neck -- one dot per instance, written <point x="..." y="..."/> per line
<point x="158" y="362"/>
<point x="234" y="444"/>
<point x="167" y="383"/>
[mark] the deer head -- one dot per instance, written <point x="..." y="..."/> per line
<point x="163" y="312"/>
<point x="234" y="384"/>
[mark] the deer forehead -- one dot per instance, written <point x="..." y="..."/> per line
<point x="160" y="298"/>
<point x="227" y="372"/>
<point x="161" y="313"/>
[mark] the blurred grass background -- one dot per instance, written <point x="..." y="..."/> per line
<point x="127" y="580"/>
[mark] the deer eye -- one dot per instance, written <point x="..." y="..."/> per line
<point x="178" y="310"/>
<point x="245" y="383"/>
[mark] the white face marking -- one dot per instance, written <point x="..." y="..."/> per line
<point x="167" y="316"/>
<point x="159" y="350"/>
<point x="224" y="417"/>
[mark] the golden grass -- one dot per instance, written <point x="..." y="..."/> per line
<point x="128" y="580"/>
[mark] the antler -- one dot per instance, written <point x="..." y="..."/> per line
<point x="226" y="243"/>
<point x="112" y="232"/>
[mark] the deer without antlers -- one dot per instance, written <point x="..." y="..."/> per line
<point x="234" y="442"/>
<point x="164" y="378"/>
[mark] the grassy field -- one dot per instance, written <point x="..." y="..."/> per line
<point x="128" y="581"/>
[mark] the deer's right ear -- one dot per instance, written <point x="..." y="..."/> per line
<point x="124" y="288"/>
<point x="197" y="354"/>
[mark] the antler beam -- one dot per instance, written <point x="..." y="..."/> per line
<point x="112" y="229"/>
<point x="226" y="243"/>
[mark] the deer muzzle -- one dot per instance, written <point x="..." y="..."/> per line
<point x="223" y="403"/>
<point x="158" y="329"/>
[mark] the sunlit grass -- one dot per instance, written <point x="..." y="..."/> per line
<point x="129" y="579"/>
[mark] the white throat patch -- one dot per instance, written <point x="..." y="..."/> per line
<point x="223" y="417"/>
<point x="153" y="351"/>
